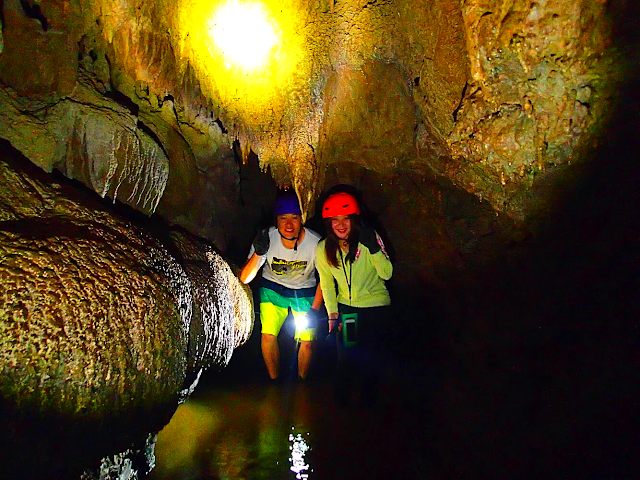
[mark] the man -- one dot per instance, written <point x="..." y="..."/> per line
<point x="287" y="252"/>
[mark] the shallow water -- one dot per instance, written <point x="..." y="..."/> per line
<point x="254" y="430"/>
<point x="548" y="402"/>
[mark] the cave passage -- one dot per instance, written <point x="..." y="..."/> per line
<point x="524" y="369"/>
<point x="524" y="366"/>
<point x="497" y="151"/>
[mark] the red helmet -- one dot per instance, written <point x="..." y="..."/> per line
<point x="340" y="204"/>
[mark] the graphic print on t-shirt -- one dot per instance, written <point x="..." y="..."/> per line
<point x="288" y="267"/>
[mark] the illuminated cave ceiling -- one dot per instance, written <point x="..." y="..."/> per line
<point x="134" y="99"/>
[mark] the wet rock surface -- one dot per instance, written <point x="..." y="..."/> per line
<point x="220" y="304"/>
<point x="493" y="100"/>
<point x="95" y="316"/>
<point x="88" y="305"/>
<point x="491" y="95"/>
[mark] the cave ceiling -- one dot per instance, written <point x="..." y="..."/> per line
<point x="136" y="100"/>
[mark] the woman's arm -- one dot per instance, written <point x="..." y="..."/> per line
<point x="370" y="239"/>
<point x="326" y="283"/>
<point x="382" y="264"/>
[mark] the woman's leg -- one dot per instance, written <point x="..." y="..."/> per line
<point x="370" y="353"/>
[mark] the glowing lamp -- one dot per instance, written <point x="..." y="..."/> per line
<point x="243" y="33"/>
<point x="301" y="322"/>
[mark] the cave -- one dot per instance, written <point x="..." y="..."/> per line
<point x="493" y="145"/>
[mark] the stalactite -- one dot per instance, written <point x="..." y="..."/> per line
<point x="111" y="147"/>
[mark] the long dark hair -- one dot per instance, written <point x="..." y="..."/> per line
<point x="331" y="245"/>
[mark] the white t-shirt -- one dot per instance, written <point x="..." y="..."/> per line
<point x="288" y="267"/>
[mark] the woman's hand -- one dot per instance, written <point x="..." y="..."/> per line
<point x="332" y="322"/>
<point x="369" y="239"/>
<point x="332" y="325"/>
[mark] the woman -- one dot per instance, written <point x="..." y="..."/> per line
<point x="353" y="265"/>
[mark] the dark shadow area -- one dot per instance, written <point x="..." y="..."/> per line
<point x="36" y="444"/>
<point x="34" y="11"/>
<point x="533" y="354"/>
<point x="257" y="195"/>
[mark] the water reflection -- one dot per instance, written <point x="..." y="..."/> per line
<point x="244" y="433"/>
<point x="287" y="431"/>
<point x="298" y="449"/>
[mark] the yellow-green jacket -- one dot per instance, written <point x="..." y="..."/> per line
<point x="367" y="273"/>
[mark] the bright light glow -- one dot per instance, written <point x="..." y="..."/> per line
<point x="302" y="322"/>
<point x="252" y="100"/>
<point x="243" y="33"/>
<point x="298" y="449"/>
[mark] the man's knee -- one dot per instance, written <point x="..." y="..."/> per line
<point x="269" y="338"/>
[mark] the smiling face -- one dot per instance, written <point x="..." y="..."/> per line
<point x="341" y="226"/>
<point x="289" y="225"/>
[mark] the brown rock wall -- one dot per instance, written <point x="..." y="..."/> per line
<point x="222" y="310"/>
<point x="500" y="91"/>
<point x="368" y="113"/>
<point x="102" y="331"/>
<point x="540" y="93"/>
<point x="39" y="55"/>
<point x="434" y="56"/>
<point x="91" y="315"/>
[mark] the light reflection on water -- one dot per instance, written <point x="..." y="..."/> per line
<point x="237" y="434"/>
<point x="287" y="431"/>
<point x="298" y="449"/>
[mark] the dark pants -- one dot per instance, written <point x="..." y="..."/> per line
<point x="359" y="365"/>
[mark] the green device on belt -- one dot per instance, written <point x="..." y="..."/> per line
<point x="349" y="329"/>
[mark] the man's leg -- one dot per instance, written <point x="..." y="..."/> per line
<point x="304" y="358"/>
<point x="271" y="354"/>
<point x="272" y="316"/>
<point x="305" y="337"/>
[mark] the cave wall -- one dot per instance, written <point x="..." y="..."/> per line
<point x="106" y="324"/>
<point x="474" y="130"/>
<point x="491" y="95"/>
<point x="491" y="99"/>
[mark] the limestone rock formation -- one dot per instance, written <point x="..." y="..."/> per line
<point x="221" y="304"/>
<point x="489" y="94"/>
<point x="89" y="306"/>
<point x="137" y="100"/>
<point x="96" y="315"/>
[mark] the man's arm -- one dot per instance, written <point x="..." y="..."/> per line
<point x="317" y="299"/>
<point x="251" y="268"/>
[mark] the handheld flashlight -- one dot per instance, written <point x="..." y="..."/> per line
<point x="302" y="322"/>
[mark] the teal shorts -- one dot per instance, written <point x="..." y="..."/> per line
<point x="275" y="303"/>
